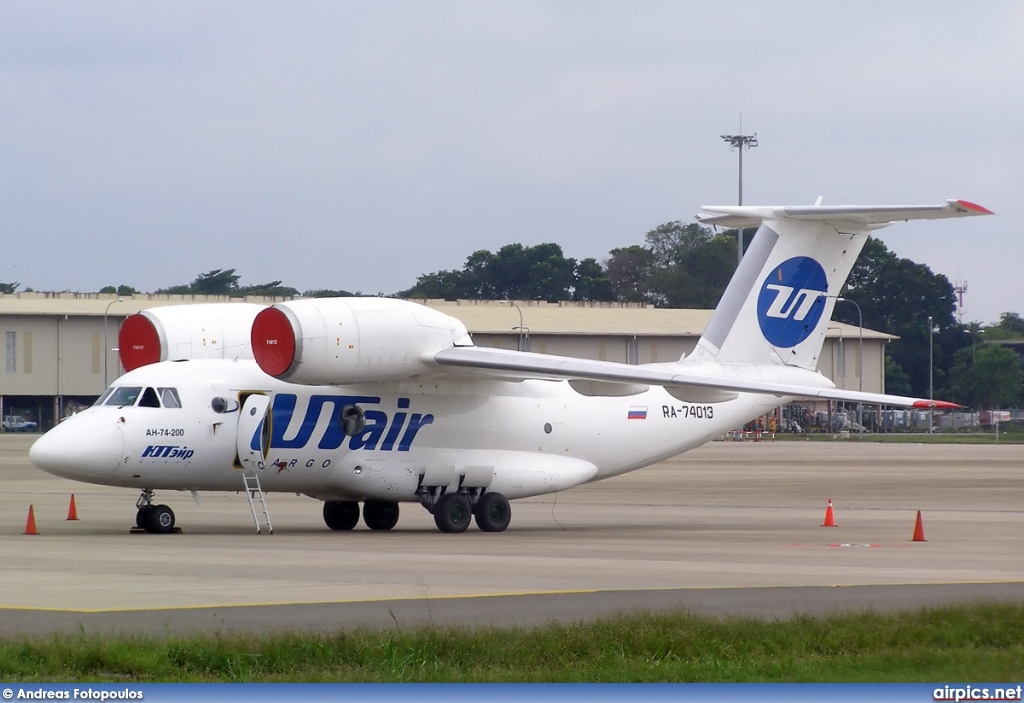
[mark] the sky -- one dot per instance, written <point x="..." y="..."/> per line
<point x="357" y="145"/>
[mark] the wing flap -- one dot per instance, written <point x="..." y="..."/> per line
<point x="505" y="365"/>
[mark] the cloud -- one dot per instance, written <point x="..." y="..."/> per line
<point x="357" y="145"/>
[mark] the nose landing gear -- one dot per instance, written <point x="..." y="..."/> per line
<point x="155" y="519"/>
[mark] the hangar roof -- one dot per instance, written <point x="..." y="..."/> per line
<point x="605" y="319"/>
<point x="479" y="316"/>
<point x="89" y="304"/>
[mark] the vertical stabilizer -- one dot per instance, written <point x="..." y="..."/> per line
<point x="777" y="307"/>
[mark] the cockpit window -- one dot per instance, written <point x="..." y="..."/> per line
<point x="125" y="395"/>
<point x="146" y="397"/>
<point x="149" y="399"/>
<point x="169" y="397"/>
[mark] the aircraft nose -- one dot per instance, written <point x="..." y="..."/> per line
<point x="81" y="448"/>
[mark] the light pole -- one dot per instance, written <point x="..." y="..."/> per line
<point x="931" y="375"/>
<point x="838" y="362"/>
<point x="520" y="327"/>
<point x="860" y="362"/>
<point x="106" y="350"/>
<point x="740" y="142"/>
<point x="523" y="330"/>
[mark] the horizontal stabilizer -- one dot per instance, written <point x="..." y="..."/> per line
<point x="873" y="216"/>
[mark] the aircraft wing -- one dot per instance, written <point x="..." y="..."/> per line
<point x="871" y="215"/>
<point x="505" y="365"/>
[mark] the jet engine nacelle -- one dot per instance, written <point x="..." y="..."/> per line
<point x="342" y="341"/>
<point x="197" y="331"/>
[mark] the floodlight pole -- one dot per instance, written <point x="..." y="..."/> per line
<point x="740" y="142"/>
<point x="931" y="375"/>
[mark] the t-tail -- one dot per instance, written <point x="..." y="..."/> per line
<point x="778" y="305"/>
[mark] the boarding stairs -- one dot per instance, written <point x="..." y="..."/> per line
<point x="258" y="502"/>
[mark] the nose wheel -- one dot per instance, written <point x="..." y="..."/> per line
<point x="154" y="519"/>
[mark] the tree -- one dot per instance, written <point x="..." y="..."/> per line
<point x="896" y="293"/>
<point x="119" y="290"/>
<point x="9" y="287"/>
<point x="225" y="282"/>
<point x="591" y="282"/>
<point x="713" y="265"/>
<point x="896" y="380"/>
<point x="182" y="289"/>
<point x="274" y="289"/>
<point x="629" y="270"/>
<point x="444" y="285"/>
<point x="681" y="266"/>
<point x="991" y="379"/>
<point x="1010" y="326"/>
<point x="898" y="296"/>
<point x="673" y="278"/>
<point x="327" y="293"/>
<point x="540" y="272"/>
<point x="216" y="282"/>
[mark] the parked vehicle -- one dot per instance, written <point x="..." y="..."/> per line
<point x="16" y="423"/>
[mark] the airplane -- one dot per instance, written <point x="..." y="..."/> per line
<point x="380" y="402"/>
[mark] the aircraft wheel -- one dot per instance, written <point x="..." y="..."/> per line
<point x="160" y="519"/>
<point x="142" y="517"/>
<point x="452" y="513"/>
<point x="492" y="512"/>
<point x="380" y="514"/>
<point x="341" y="514"/>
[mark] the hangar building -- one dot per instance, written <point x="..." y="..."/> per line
<point x="60" y="348"/>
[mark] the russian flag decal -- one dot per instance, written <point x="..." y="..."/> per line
<point x="637" y="412"/>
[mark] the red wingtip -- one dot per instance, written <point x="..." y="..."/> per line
<point x="937" y="404"/>
<point x="974" y="207"/>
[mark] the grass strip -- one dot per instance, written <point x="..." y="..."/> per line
<point x="970" y="643"/>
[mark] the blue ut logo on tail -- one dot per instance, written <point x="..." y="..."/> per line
<point x="791" y="301"/>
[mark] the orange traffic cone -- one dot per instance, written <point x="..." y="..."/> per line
<point x="30" y="524"/>
<point x="72" y="510"/>
<point x="830" y="517"/>
<point x="919" y="529"/>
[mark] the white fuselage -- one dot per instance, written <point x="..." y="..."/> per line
<point x="519" y="438"/>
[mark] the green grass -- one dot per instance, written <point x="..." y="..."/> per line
<point x="970" y="643"/>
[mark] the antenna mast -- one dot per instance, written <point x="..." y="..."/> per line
<point x="960" y="288"/>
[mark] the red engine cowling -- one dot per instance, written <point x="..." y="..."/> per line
<point x="199" y="331"/>
<point x="341" y="341"/>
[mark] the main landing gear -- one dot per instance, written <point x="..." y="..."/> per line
<point x="492" y="512"/>
<point x="344" y="514"/>
<point x="157" y="519"/>
<point x="452" y="512"/>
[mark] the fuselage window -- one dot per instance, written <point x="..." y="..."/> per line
<point x="125" y="395"/>
<point x="169" y="397"/>
<point x="149" y="399"/>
